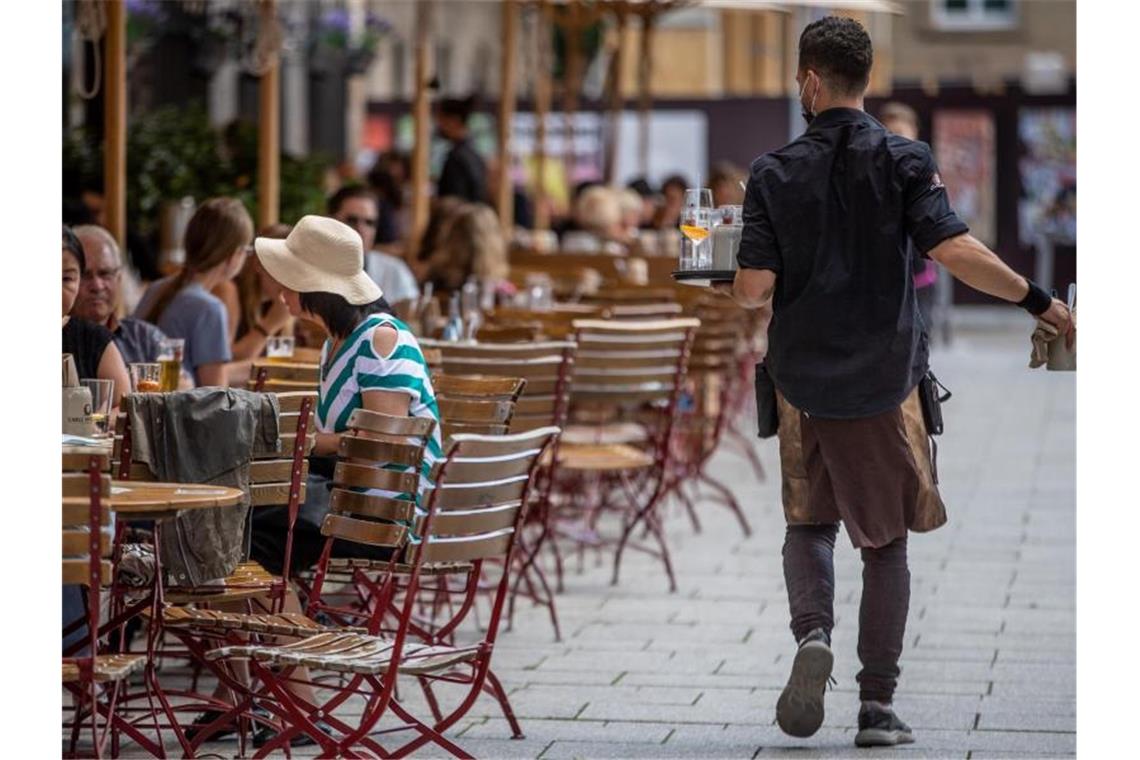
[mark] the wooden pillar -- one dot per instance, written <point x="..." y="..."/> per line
<point x="115" y="121"/>
<point x="269" y="132"/>
<point x="645" y="94"/>
<point x="421" y="114"/>
<point x="615" y="97"/>
<point x="542" y="97"/>
<point x="505" y="201"/>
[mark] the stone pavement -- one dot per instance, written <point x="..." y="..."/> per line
<point x="989" y="665"/>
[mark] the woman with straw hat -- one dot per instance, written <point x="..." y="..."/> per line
<point x="371" y="359"/>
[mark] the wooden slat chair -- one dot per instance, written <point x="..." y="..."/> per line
<point x="92" y="679"/>
<point x="272" y="375"/>
<point x="516" y="333"/>
<point x="557" y="324"/>
<point x="373" y="444"/>
<point x="714" y="381"/>
<point x="631" y="295"/>
<point x="473" y="515"/>
<point x="547" y="367"/>
<point x="631" y="369"/>
<point x="478" y="405"/>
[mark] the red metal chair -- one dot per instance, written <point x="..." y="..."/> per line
<point x="473" y="515"/>
<point x="92" y="679"/>
<point x="546" y="367"/>
<point x="631" y="371"/>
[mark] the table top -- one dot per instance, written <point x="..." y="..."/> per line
<point x="128" y="496"/>
<point x="165" y="499"/>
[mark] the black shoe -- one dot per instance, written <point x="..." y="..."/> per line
<point x="204" y="719"/>
<point x="880" y="727"/>
<point x="266" y="734"/>
<point x="799" y="711"/>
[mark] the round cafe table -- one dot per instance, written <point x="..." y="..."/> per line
<point x="158" y="501"/>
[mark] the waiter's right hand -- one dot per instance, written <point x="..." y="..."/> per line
<point x="1058" y="316"/>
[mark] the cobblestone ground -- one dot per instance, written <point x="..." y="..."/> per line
<point x="989" y="665"/>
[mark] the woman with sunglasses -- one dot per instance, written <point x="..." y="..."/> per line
<point x="218" y="238"/>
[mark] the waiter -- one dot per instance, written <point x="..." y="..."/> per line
<point x="826" y="222"/>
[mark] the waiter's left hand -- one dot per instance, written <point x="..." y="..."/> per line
<point x="724" y="288"/>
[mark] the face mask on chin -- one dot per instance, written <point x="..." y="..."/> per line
<point x="808" y="112"/>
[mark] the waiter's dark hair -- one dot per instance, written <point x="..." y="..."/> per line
<point x="839" y="50"/>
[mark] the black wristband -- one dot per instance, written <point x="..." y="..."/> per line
<point x="1037" y="301"/>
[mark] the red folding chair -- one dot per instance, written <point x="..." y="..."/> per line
<point x="473" y="515"/>
<point x="92" y="679"/>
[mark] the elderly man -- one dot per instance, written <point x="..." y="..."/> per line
<point x="101" y="295"/>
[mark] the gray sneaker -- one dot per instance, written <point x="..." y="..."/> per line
<point x="880" y="727"/>
<point x="799" y="711"/>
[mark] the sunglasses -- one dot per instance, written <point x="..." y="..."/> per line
<point x="355" y="221"/>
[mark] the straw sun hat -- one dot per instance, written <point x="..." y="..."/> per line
<point x="320" y="255"/>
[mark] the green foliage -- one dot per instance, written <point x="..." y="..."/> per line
<point x="174" y="152"/>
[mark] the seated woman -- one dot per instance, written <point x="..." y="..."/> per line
<point x="93" y="348"/>
<point x="471" y="245"/>
<point x="91" y="345"/>
<point x="254" y="307"/>
<point x="370" y="361"/>
<point x="217" y="240"/>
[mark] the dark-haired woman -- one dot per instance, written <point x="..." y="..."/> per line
<point x="91" y="346"/>
<point x="254" y="308"/>
<point x="371" y="360"/>
<point x="217" y="240"/>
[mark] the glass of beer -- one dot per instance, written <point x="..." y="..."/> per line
<point x="279" y="347"/>
<point x="102" y="396"/>
<point x="146" y="377"/>
<point x="170" y="353"/>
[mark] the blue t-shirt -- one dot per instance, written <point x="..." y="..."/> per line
<point x="197" y="316"/>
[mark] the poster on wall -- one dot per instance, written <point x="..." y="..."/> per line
<point x="1048" y="168"/>
<point x="965" y="150"/>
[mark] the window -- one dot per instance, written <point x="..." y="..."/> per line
<point x="973" y="15"/>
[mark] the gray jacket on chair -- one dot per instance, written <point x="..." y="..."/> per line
<point x="206" y="435"/>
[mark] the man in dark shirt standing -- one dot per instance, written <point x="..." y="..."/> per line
<point x="826" y="223"/>
<point x="464" y="175"/>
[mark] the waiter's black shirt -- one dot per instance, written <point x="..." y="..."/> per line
<point x="830" y="214"/>
<point x="464" y="175"/>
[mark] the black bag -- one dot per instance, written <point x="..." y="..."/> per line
<point x="931" y="398"/>
<point x="767" y="415"/>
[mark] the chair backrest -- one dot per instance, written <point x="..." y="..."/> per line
<point x="523" y="332"/>
<point x="631" y="295"/>
<point x="557" y="324"/>
<point x="87" y="547"/>
<point x="86" y="519"/>
<point x="630" y="362"/>
<point x="481" y="405"/>
<point x="477" y="504"/>
<point x="545" y="366"/>
<point x="365" y="458"/>
<point x="276" y="375"/>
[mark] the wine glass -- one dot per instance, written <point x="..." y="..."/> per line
<point x="695" y="226"/>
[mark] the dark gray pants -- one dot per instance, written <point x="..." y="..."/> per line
<point x="809" y="574"/>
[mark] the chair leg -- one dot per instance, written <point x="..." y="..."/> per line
<point x="647" y="514"/>
<point x="729" y="499"/>
<point x="429" y="695"/>
<point x="495" y="688"/>
<point x="684" y="497"/>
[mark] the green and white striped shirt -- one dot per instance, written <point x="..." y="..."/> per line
<point x="356" y="369"/>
